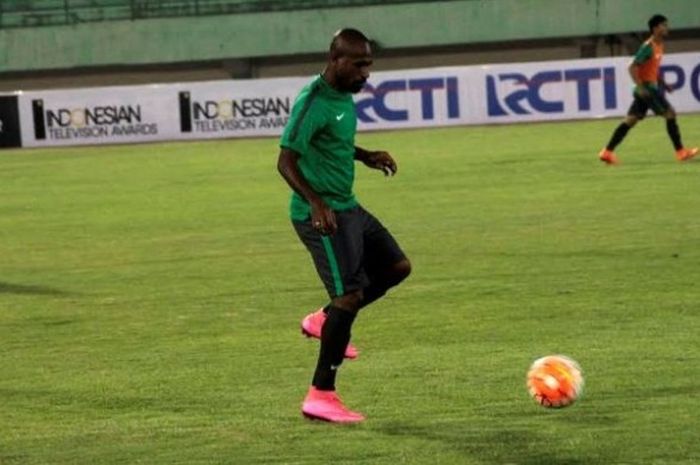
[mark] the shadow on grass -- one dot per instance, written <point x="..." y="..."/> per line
<point x="28" y="289"/>
<point x="507" y="446"/>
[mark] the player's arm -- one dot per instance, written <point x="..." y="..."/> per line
<point x="638" y="83"/>
<point x="644" y="53"/>
<point x="668" y="88"/>
<point x="322" y="217"/>
<point x="378" y="160"/>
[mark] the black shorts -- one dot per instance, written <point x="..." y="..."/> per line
<point x="360" y="249"/>
<point x="656" y="102"/>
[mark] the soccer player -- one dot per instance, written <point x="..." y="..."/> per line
<point x="644" y="70"/>
<point x="355" y="256"/>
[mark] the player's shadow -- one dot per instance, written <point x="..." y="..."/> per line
<point x="28" y="289"/>
<point x="502" y="446"/>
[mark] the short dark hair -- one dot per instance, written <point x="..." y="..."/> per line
<point x="655" y="21"/>
<point x="346" y="35"/>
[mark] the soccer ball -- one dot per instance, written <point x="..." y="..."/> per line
<point x="555" y="381"/>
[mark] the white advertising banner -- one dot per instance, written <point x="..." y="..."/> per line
<point x="508" y="93"/>
<point x="504" y="93"/>
<point x="202" y="110"/>
<point x="217" y="109"/>
<point x="97" y="115"/>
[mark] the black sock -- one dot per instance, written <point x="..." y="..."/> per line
<point x="674" y="133"/>
<point x="335" y="336"/>
<point x="618" y="135"/>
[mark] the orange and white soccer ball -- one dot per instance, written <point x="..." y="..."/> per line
<point x="555" y="381"/>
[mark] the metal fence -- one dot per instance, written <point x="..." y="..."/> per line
<point x="37" y="13"/>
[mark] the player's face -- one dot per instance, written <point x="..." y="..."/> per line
<point x="662" y="29"/>
<point x="352" y="69"/>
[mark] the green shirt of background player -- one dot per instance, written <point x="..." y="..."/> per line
<point x="355" y="256"/>
<point x="648" y="94"/>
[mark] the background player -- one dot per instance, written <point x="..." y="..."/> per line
<point x="648" y="94"/>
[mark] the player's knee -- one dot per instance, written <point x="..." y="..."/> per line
<point x="397" y="273"/>
<point x="631" y="120"/>
<point x="350" y="301"/>
<point x="670" y="113"/>
<point x="402" y="270"/>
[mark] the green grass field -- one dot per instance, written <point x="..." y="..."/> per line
<point x="150" y="299"/>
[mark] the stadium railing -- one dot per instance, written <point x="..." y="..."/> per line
<point x="36" y="13"/>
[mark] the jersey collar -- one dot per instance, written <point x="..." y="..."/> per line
<point x="329" y="90"/>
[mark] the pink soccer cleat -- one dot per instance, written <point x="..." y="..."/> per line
<point x="686" y="154"/>
<point x="608" y="157"/>
<point x="327" y="406"/>
<point x="311" y="327"/>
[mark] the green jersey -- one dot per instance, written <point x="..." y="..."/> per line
<point x="321" y="129"/>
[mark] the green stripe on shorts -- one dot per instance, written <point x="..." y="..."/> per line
<point x="335" y="271"/>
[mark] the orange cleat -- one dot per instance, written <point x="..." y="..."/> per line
<point x="311" y="327"/>
<point x="608" y="157"/>
<point x="686" y="154"/>
<point x="327" y="406"/>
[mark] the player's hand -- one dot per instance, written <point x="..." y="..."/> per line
<point x="381" y="160"/>
<point x="323" y="218"/>
<point x="643" y="92"/>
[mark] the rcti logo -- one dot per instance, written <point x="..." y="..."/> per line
<point x="675" y="77"/>
<point x="374" y="107"/>
<point x="508" y="93"/>
<point x="231" y="115"/>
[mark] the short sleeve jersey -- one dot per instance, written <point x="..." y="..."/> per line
<point x="321" y="129"/>
<point x="648" y="58"/>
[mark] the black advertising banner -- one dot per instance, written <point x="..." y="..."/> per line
<point x="10" y="133"/>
